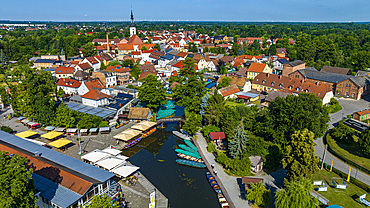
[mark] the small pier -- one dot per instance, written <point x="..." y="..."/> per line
<point x="181" y="136"/>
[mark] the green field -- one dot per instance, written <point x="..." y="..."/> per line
<point x="348" y="198"/>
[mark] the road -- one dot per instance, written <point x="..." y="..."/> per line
<point x="349" y="106"/>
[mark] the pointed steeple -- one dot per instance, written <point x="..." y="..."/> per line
<point x="132" y="16"/>
<point x="132" y="25"/>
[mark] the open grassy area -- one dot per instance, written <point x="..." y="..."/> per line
<point x="350" y="150"/>
<point x="229" y="103"/>
<point x="347" y="198"/>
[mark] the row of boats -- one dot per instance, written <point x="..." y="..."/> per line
<point x="216" y="187"/>
<point x="137" y="140"/>
<point x="190" y="155"/>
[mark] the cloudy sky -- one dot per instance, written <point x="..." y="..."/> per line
<point x="198" y="10"/>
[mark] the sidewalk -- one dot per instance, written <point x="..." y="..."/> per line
<point x="229" y="182"/>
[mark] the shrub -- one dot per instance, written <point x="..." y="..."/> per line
<point x="239" y="167"/>
<point x="208" y="129"/>
<point x="211" y="147"/>
<point x="6" y="129"/>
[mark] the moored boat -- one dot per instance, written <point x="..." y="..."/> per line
<point x="191" y="145"/>
<point x="186" y="148"/>
<point x="189" y="157"/>
<point x="192" y="154"/>
<point x="191" y="163"/>
<point x="213" y="183"/>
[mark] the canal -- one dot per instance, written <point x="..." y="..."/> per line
<point x="183" y="186"/>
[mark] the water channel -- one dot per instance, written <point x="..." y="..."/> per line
<point x="183" y="186"/>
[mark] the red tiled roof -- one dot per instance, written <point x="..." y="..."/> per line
<point x="68" y="83"/>
<point x="364" y="112"/>
<point x="134" y="39"/>
<point x="92" y="60"/>
<point x="257" y="67"/>
<point x="217" y="135"/>
<point x="94" y="94"/>
<point x="94" y="83"/>
<point x="84" y="66"/>
<point x="226" y="91"/>
<point x="135" y="53"/>
<point x="64" y="70"/>
<point x="125" y="46"/>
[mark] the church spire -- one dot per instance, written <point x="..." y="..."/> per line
<point x="132" y="25"/>
<point x="132" y="16"/>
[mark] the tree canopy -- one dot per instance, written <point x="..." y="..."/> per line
<point x="16" y="183"/>
<point x="258" y="194"/>
<point x="189" y="68"/>
<point x="101" y="201"/>
<point x="300" y="158"/>
<point x="225" y="81"/>
<point x="152" y="91"/>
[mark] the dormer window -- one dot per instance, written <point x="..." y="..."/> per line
<point x="263" y="81"/>
<point x="280" y="85"/>
<point x="297" y="88"/>
<point x="290" y="87"/>
<point x="319" y="93"/>
<point x="272" y="83"/>
<point x="306" y="90"/>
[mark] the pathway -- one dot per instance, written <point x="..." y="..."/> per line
<point x="229" y="184"/>
<point x="349" y="106"/>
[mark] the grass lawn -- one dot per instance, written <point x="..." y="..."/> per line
<point x="350" y="150"/>
<point x="348" y="198"/>
<point x="229" y="103"/>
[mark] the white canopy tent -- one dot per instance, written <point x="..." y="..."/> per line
<point x="112" y="151"/>
<point x="125" y="169"/>
<point x="95" y="156"/>
<point x="122" y="157"/>
<point x="110" y="162"/>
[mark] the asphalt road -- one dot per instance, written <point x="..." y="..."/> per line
<point x="349" y="106"/>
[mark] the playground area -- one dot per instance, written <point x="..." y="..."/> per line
<point x="336" y="193"/>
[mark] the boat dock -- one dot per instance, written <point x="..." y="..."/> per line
<point x="181" y="136"/>
<point x="210" y="169"/>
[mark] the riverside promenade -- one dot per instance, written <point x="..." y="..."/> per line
<point x="228" y="184"/>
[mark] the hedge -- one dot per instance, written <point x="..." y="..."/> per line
<point x="343" y="158"/>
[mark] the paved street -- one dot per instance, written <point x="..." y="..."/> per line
<point x="349" y="106"/>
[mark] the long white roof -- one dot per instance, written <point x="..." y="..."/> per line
<point x="95" y="156"/>
<point x="110" y="162"/>
<point x="125" y="169"/>
<point x="112" y="151"/>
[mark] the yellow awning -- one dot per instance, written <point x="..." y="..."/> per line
<point x="60" y="143"/>
<point x="52" y="134"/>
<point x="123" y="137"/>
<point x="26" y="134"/>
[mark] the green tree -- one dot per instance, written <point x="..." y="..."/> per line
<point x="127" y="63"/>
<point x="274" y="157"/>
<point x="135" y="72"/>
<point x="2" y="57"/>
<point x="152" y="91"/>
<point x="192" y="123"/>
<point x="64" y="117"/>
<point x="361" y="60"/>
<point x="189" y="68"/>
<point x="214" y="112"/>
<point x="157" y="46"/>
<point x="296" y="195"/>
<point x="300" y="158"/>
<point x="287" y="115"/>
<point x="144" y="48"/>
<point x="88" y="50"/>
<point x="342" y="132"/>
<point x="258" y="194"/>
<point x="101" y="201"/>
<point x="272" y="50"/>
<point x="364" y="142"/>
<point x="239" y="142"/>
<point x="87" y="121"/>
<point x="205" y="49"/>
<point x="208" y="129"/>
<point x="223" y="69"/>
<point x="190" y="94"/>
<point x="204" y="104"/>
<point x="225" y="81"/>
<point x="102" y="66"/>
<point x="17" y="185"/>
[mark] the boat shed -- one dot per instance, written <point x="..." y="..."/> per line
<point x="70" y="183"/>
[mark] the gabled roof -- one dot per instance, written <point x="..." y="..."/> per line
<point x="360" y="81"/>
<point x="94" y="83"/>
<point x="69" y="83"/>
<point x="84" y="66"/>
<point x="94" y="94"/>
<point x="242" y="71"/>
<point x="147" y="69"/>
<point x="125" y="46"/>
<point x="337" y="70"/>
<point x="92" y="60"/>
<point x="217" y="135"/>
<point x="239" y="81"/>
<point x="46" y="61"/>
<point x="134" y="39"/>
<point x="363" y="112"/>
<point x="64" y="70"/>
<point x="312" y="73"/>
<point x="257" y="67"/>
<point x="283" y="61"/>
<point x="296" y="63"/>
<point x="229" y="90"/>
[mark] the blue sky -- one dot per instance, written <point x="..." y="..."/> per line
<point x="199" y="10"/>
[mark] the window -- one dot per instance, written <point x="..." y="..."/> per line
<point x="338" y="92"/>
<point x="346" y="85"/>
<point x="280" y="85"/>
<point x="290" y="87"/>
<point x="353" y="94"/>
<point x="263" y="81"/>
<point x="349" y="85"/>
<point x="297" y="89"/>
<point x="273" y="84"/>
<point x="346" y="93"/>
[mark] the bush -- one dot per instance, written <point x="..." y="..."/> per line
<point x="104" y="124"/>
<point x="239" y="167"/>
<point x="208" y="129"/>
<point x="6" y="129"/>
<point x="333" y="106"/>
<point x="211" y="147"/>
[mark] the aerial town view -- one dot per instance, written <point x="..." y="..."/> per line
<point x="184" y="104"/>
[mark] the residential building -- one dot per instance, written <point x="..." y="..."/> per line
<point x="44" y="63"/>
<point x="64" y="72"/>
<point x="279" y="65"/>
<point x="361" y="115"/>
<point x="83" y="67"/>
<point x="291" y="67"/>
<point x="108" y="78"/>
<point x="257" y="68"/>
<point x="88" y="85"/>
<point x="69" y="86"/>
<point x="94" y="63"/>
<point x="229" y="91"/>
<point x="60" y="181"/>
<point x="256" y="163"/>
<point x="123" y="74"/>
<point x="273" y="82"/>
<point x="95" y="98"/>
<point x="354" y="87"/>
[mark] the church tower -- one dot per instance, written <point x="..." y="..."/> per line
<point x="132" y="25"/>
